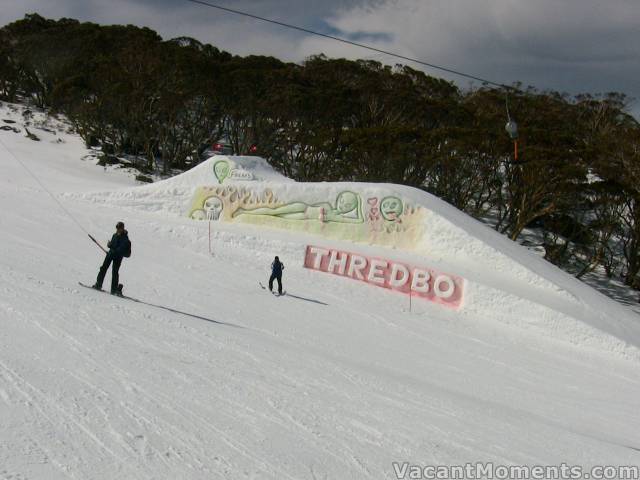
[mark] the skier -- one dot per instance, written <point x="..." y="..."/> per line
<point x="276" y="274"/>
<point x="119" y="247"/>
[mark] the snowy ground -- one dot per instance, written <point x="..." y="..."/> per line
<point x="214" y="378"/>
<point x="612" y="287"/>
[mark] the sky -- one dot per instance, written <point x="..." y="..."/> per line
<point x="572" y="46"/>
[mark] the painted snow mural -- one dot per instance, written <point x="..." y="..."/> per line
<point x="349" y="215"/>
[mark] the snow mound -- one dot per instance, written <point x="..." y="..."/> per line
<point x="254" y="168"/>
<point x="171" y="196"/>
<point x="502" y="281"/>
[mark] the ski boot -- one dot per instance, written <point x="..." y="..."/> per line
<point x="118" y="291"/>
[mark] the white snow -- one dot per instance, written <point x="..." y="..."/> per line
<point x="212" y="377"/>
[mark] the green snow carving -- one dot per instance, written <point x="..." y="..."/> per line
<point x="348" y="209"/>
<point x="391" y="208"/>
<point x="221" y="170"/>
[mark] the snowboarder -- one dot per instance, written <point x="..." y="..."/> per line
<point x="276" y="274"/>
<point x="119" y="247"/>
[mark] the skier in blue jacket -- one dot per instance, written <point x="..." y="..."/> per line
<point x="119" y="247"/>
<point x="276" y="274"/>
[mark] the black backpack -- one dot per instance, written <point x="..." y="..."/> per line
<point x="127" y="252"/>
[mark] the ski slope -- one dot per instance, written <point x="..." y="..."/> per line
<point x="209" y="376"/>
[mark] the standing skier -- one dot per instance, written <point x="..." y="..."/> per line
<point x="119" y="247"/>
<point x="276" y="274"/>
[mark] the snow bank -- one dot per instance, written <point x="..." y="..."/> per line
<point x="503" y="281"/>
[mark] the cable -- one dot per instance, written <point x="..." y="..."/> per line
<point x="55" y="199"/>
<point x="349" y="42"/>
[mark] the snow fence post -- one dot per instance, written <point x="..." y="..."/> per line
<point x="209" y="236"/>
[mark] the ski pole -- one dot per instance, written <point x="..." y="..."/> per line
<point x="96" y="242"/>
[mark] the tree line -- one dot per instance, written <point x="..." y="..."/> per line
<point x="124" y="88"/>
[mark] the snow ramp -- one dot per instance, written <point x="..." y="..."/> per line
<point x="392" y="237"/>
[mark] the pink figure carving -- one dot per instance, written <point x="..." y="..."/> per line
<point x="374" y="210"/>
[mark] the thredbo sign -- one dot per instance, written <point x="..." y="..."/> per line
<point x="420" y="282"/>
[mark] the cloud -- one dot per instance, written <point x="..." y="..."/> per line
<point x="173" y="18"/>
<point x="572" y="45"/>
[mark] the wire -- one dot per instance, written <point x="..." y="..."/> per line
<point x="349" y="42"/>
<point x="55" y="199"/>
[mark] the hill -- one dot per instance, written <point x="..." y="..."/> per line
<point x="209" y="376"/>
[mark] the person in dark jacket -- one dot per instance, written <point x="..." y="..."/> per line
<point x="119" y="247"/>
<point x="276" y="274"/>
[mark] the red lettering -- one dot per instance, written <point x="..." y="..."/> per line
<point x="420" y="282"/>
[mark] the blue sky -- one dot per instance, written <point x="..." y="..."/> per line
<point x="566" y="45"/>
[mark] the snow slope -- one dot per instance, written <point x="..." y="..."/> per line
<point x="211" y="377"/>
